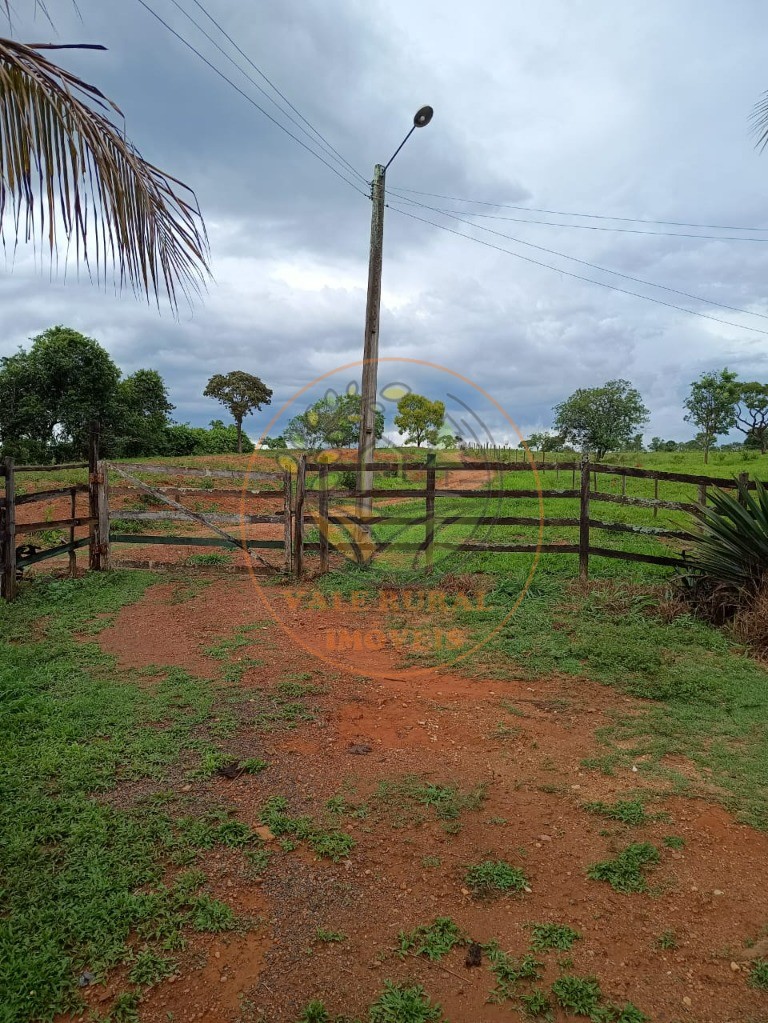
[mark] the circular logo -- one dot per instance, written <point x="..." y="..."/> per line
<point x="393" y="561"/>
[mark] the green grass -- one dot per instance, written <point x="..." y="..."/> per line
<point x="666" y="941"/>
<point x="399" y="1003"/>
<point x="84" y="873"/>
<point x="536" y="1005"/>
<point x="627" y="811"/>
<point x="495" y="877"/>
<point x="411" y="800"/>
<point x="625" y="873"/>
<point x="329" y="843"/>
<point x="433" y="941"/>
<point x="674" y="842"/>
<point x="579" y="995"/>
<point x="208" y="559"/>
<point x="329" y="937"/>
<point x="508" y="971"/>
<point x="553" y="936"/>
<point x="148" y="968"/>
<point x="758" y="975"/>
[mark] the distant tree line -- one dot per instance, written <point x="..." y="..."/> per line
<point x="609" y="418"/>
<point x="51" y="392"/>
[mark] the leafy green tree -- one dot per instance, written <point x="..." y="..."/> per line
<point x="50" y="394"/>
<point x="658" y="444"/>
<point x="218" y="439"/>
<point x="601" y="419"/>
<point x="711" y="406"/>
<point x="333" y="421"/>
<point x="142" y="415"/>
<point x="275" y="443"/>
<point x="419" y="418"/>
<point x="752" y="414"/>
<point x="241" y="393"/>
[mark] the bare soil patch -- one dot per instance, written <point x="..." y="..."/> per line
<point x="406" y="870"/>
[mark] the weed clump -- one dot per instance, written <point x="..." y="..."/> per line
<point x="494" y="877"/>
<point x="626" y="811"/>
<point x="553" y="936"/>
<point x="625" y="872"/>
<point x="433" y="941"/>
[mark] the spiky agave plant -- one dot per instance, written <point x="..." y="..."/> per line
<point x="728" y="563"/>
<point x="67" y="170"/>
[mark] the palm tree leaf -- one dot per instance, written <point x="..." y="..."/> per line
<point x="759" y="119"/>
<point x="67" y="170"/>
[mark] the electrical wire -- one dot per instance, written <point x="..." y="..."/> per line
<point x="249" y="99"/>
<point x="591" y="216"/>
<point x="578" y="277"/>
<point x="586" y="262"/>
<point x="323" y="143"/>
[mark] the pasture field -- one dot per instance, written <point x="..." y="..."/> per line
<point x="225" y="801"/>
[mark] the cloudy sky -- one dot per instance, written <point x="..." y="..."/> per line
<point x="620" y="110"/>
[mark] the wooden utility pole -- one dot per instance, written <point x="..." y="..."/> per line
<point x="367" y="442"/>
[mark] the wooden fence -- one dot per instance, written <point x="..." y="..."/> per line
<point x="311" y="503"/>
<point x="584" y="487"/>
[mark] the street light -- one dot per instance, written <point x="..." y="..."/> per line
<point x="367" y="441"/>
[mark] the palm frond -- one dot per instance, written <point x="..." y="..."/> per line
<point x="759" y="119"/>
<point x="66" y="169"/>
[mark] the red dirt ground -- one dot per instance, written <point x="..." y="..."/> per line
<point x="450" y="729"/>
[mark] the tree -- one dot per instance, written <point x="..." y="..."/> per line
<point x="544" y="441"/>
<point x="61" y="153"/>
<point x="712" y="405"/>
<point x="420" y="418"/>
<point x="142" y="415"/>
<point x="752" y="413"/>
<point x="241" y="394"/>
<point x="333" y="421"/>
<point x="601" y="419"/>
<point x="658" y="444"/>
<point x="51" y="394"/>
<point x="275" y="443"/>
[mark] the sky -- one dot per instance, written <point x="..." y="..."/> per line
<point x="615" y="110"/>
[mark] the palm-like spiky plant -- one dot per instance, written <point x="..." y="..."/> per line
<point x="67" y="171"/>
<point x="728" y="563"/>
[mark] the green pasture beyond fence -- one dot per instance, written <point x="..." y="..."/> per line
<point x="510" y="510"/>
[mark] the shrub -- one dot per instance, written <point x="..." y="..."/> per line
<point x="728" y="562"/>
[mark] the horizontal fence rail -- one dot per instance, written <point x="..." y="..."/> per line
<point x="304" y="498"/>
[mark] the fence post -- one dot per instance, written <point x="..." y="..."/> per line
<point x="94" y="551"/>
<point x="72" y="551"/>
<point x="743" y="485"/>
<point x="323" y="516"/>
<point x="429" y="527"/>
<point x="102" y="498"/>
<point x="287" y="554"/>
<point x="702" y="499"/>
<point x="655" y="497"/>
<point x="298" y="518"/>
<point x="8" y="545"/>
<point x="584" y="521"/>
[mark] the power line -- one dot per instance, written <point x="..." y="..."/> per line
<point x="578" y="277"/>
<point x="591" y="216"/>
<point x="325" y="145"/>
<point x="586" y="262"/>
<point x="249" y="98"/>
<point x="597" y="227"/>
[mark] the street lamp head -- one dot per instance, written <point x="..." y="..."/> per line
<point x="423" y="117"/>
